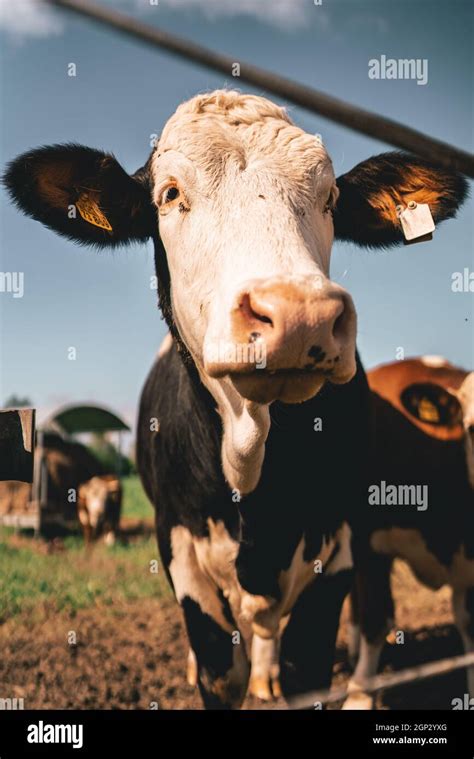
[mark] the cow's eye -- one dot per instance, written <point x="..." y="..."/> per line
<point x="171" y="193"/>
<point x="329" y="205"/>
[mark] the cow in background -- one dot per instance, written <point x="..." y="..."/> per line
<point x="99" y="506"/>
<point x="67" y="464"/>
<point x="423" y="414"/>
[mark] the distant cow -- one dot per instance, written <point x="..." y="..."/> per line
<point x="423" y="417"/>
<point x="253" y="429"/>
<point x="99" y="505"/>
<point x="67" y="465"/>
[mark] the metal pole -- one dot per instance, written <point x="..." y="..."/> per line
<point x="383" y="682"/>
<point x="358" y="119"/>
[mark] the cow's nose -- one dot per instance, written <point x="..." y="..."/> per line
<point x="300" y="326"/>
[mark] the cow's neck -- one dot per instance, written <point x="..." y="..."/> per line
<point x="245" y="427"/>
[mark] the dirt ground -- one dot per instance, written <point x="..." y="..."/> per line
<point x="128" y="658"/>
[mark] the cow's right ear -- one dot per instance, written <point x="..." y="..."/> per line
<point x="432" y="404"/>
<point x="83" y="194"/>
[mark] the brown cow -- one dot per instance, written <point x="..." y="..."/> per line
<point x="68" y="464"/>
<point x="421" y="502"/>
<point x="99" y="505"/>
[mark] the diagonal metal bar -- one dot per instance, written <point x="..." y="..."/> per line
<point x="350" y="116"/>
<point x="386" y="681"/>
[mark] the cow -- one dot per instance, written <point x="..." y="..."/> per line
<point x="253" y="427"/>
<point x="423" y="413"/>
<point x="99" y="505"/>
<point x="68" y="464"/>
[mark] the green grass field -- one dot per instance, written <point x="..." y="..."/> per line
<point x="135" y="502"/>
<point x="38" y="582"/>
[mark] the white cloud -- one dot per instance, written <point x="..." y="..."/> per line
<point x="28" y="18"/>
<point x="24" y="18"/>
<point x="281" y="12"/>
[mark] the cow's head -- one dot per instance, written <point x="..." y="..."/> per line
<point x="247" y="206"/>
<point x="99" y="501"/>
<point x="446" y="407"/>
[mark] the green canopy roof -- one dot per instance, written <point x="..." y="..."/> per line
<point x="73" y="419"/>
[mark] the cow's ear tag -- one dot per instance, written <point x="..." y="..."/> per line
<point x="417" y="222"/>
<point x="428" y="412"/>
<point x="91" y="212"/>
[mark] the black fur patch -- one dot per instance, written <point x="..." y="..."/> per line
<point x="46" y="182"/>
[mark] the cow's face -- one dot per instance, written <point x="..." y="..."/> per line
<point x="245" y="203"/>
<point x="99" y="502"/>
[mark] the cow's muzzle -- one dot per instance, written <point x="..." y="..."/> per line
<point x="287" y="337"/>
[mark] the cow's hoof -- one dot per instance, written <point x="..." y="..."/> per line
<point x="192" y="669"/>
<point x="358" y="700"/>
<point x="265" y="688"/>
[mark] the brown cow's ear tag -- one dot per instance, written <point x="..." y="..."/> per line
<point x="91" y="212"/>
<point x="427" y="412"/>
<point x="417" y="222"/>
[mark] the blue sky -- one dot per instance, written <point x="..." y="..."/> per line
<point x="101" y="303"/>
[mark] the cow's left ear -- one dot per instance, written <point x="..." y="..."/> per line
<point x="366" y="210"/>
<point x="83" y="194"/>
<point x="432" y="404"/>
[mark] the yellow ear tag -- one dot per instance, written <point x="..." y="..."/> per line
<point x="427" y="411"/>
<point x="91" y="212"/>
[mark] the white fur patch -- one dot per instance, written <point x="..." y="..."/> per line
<point x="434" y="361"/>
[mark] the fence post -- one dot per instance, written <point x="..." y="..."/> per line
<point x="17" y="442"/>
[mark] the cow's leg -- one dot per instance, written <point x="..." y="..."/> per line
<point x="264" y="678"/>
<point x="218" y="646"/>
<point x="309" y="639"/>
<point x="353" y="628"/>
<point x="109" y="538"/>
<point x="222" y="665"/>
<point x="463" y="610"/>
<point x="375" y="612"/>
<point x="87" y="532"/>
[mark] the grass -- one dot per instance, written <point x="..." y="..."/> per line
<point x="135" y="502"/>
<point x="36" y="582"/>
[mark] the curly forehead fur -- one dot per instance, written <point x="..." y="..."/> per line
<point x="225" y="128"/>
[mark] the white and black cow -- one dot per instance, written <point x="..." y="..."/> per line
<point x="251" y="490"/>
<point x="423" y="415"/>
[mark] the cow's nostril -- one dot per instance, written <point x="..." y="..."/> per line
<point x="251" y="313"/>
